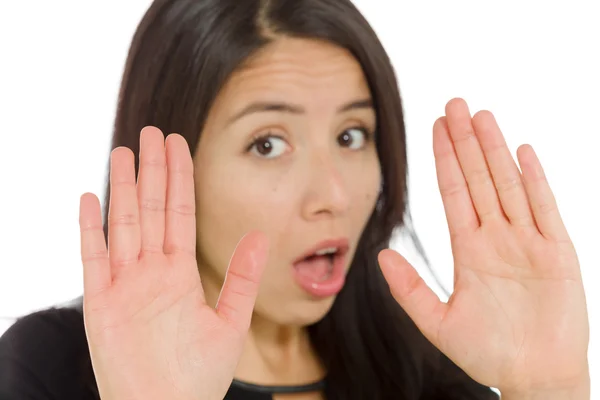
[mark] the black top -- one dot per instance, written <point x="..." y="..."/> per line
<point x="44" y="356"/>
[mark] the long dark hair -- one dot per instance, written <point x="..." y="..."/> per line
<point x="182" y="54"/>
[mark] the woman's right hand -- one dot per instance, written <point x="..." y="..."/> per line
<point x="150" y="332"/>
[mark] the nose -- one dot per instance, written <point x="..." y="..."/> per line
<point x="326" y="192"/>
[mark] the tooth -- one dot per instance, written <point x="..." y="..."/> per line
<point x="326" y="251"/>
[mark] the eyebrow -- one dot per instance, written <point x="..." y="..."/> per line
<point x="263" y="106"/>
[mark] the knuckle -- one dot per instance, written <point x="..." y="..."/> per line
<point x="183" y="209"/>
<point x="152" y="248"/>
<point x="171" y="248"/>
<point x="124" y="219"/>
<point x="123" y="261"/>
<point x="546" y="208"/>
<point x="489" y="215"/>
<point x="182" y="173"/>
<point x="117" y="184"/>
<point x="452" y="189"/>
<point x="479" y="177"/>
<point x="152" y="204"/>
<point x="466" y="135"/>
<point x="522" y="221"/>
<point x="154" y="162"/>
<point x="94" y="256"/>
<point x="510" y="185"/>
<point x="248" y="281"/>
<point x="85" y="228"/>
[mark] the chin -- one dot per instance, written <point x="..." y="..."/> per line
<point x="313" y="311"/>
<point x="301" y="312"/>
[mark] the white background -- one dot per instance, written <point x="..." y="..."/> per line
<point x="534" y="65"/>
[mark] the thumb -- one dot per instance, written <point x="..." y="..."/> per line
<point x="412" y="294"/>
<point x="238" y="294"/>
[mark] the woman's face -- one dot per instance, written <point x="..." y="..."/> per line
<point x="287" y="149"/>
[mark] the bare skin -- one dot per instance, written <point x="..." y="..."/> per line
<point x="160" y="323"/>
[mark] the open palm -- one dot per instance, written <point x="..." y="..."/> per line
<point x="517" y="318"/>
<point x="150" y="332"/>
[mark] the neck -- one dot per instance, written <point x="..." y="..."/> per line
<point x="274" y="354"/>
<point x="278" y="355"/>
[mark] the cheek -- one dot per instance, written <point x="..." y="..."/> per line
<point x="365" y="183"/>
<point x="229" y="204"/>
<point x="233" y="199"/>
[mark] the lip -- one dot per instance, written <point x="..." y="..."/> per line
<point x="340" y="243"/>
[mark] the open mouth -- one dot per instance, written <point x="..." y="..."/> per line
<point x="319" y="266"/>
<point x="329" y="253"/>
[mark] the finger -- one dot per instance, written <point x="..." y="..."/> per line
<point x="180" y="222"/>
<point x="505" y="173"/>
<point x="541" y="198"/>
<point x="124" y="239"/>
<point x="151" y="189"/>
<point x="472" y="161"/>
<point x="238" y="295"/>
<point x="460" y="214"/>
<point x="94" y="254"/>
<point x="412" y="294"/>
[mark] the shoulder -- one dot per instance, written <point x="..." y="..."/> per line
<point x="44" y="355"/>
<point x="58" y="324"/>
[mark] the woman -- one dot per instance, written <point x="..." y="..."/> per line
<point x="246" y="262"/>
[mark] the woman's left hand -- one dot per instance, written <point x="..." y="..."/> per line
<point x="517" y="319"/>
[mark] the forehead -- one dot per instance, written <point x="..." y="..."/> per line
<point x="314" y="73"/>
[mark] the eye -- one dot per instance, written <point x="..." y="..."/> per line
<point x="268" y="146"/>
<point x="354" y="138"/>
